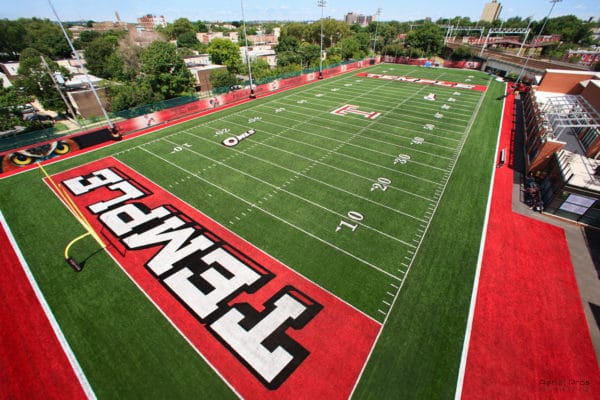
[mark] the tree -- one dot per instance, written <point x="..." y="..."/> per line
<point x="181" y="26"/>
<point x="260" y="69"/>
<point x="36" y="81"/>
<point x="225" y="52"/>
<point x="310" y="55"/>
<point x="40" y="34"/>
<point x="221" y="78"/>
<point x="85" y="38"/>
<point x="188" y="39"/>
<point x="46" y="37"/>
<point x="462" y="52"/>
<point x="364" y="43"/>
<point x="129" y="52"/>
<point x="350" y="48"/>
<point x="200" y="26"/>
<point x="124" y="97"/>
<point x="570" y="28"/>
<point x="427" y="37"/>
<point x="10" y="114"/>
<point x="12" y="38"/>
<point x="295" y="29"/>
<point x="165" y="71"/>
<point x="287" y="43"/>
<point x="97" y="55"/>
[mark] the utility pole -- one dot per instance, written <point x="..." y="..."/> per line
<point x="110" y="124"/>
<point x="538" y="35"/>
<point x="378" y="13"/>
<point x="321" y="3"/>
<point x="252" y="95"/>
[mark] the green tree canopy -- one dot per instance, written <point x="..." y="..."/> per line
<point x="221" y="78"/>
<point x="40" y="34"/>
<point x="46" y="37"/>
<point x="570" y="28"/>
<point x="200" y="26"/>
<point x="427" y="37"/>
<point x="189" y="40"/>
<point x="36" y="81"/>
<point x="124" y="97"/>
<point x="225" y="52"/>
<point x="101" y="59"/>
<point x="260" y="69"/>
<point x="181" y="26"/>
<point x="10" y="114"/>
<point x="165" y="71"/>
<point x="462" y="52"/>
<point x="12" y="38"/>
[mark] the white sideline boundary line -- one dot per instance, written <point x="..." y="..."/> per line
<point x="465" y="350"/>
<point x="468" y="131"/>
<point x="85" y="385"/>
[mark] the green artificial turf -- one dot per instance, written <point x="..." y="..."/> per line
<point x="286" y="189"/>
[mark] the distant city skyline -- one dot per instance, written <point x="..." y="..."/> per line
<point x="303" y="10"/>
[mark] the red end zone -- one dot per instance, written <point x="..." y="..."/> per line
<point x="268" y="331"/>
<point x="423" y="81"/>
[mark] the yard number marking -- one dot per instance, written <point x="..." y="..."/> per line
<point x="401" y="159"/>
<point x="381" y="184"/>
<point x="353" y="215"/>
<point x="177" y="149"/>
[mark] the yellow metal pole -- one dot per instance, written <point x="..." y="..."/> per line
<point x="73" y="207"/>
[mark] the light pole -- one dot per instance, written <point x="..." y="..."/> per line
<point x="252" y="95"/>
<point x="110" y="124"/>
<point x="538" y="35"/>
<point x="321" y="3"/>
<point x="526" y="36"/>
<point x="378" y="13"/>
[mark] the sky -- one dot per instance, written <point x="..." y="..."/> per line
<point x="286" y="10"/>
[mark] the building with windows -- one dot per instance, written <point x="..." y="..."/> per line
<point x="363" y="20"/>
<point x="562" y="143"/>
<point x="149" y="22"/>
<point x="491" y="11"/>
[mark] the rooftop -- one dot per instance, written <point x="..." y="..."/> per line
<point x="564" y="116"/>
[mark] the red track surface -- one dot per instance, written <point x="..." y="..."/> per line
<point x="529" y="339"/>
<point x="33" y="364"/>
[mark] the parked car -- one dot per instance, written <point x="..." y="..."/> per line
<point x="40" y="118"/>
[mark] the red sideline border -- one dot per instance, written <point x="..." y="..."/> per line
<point x="529" y="337"/>
<point x="37" y="362"/>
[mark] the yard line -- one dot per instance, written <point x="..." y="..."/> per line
<point x="281" y="189"/>
<point x="395" y="297"/>
<point x="467" y="131"/>
<point x="273" y="215"/>
<point x="299" y="173"/>
<point x="368" y="138"/>
<point x="342" y="170"/>
<point x="350" y="157"/>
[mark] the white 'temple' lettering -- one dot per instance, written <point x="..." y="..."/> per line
<point x="205" y="304"/>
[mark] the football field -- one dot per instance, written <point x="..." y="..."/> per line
<point x="321" y="241"/>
